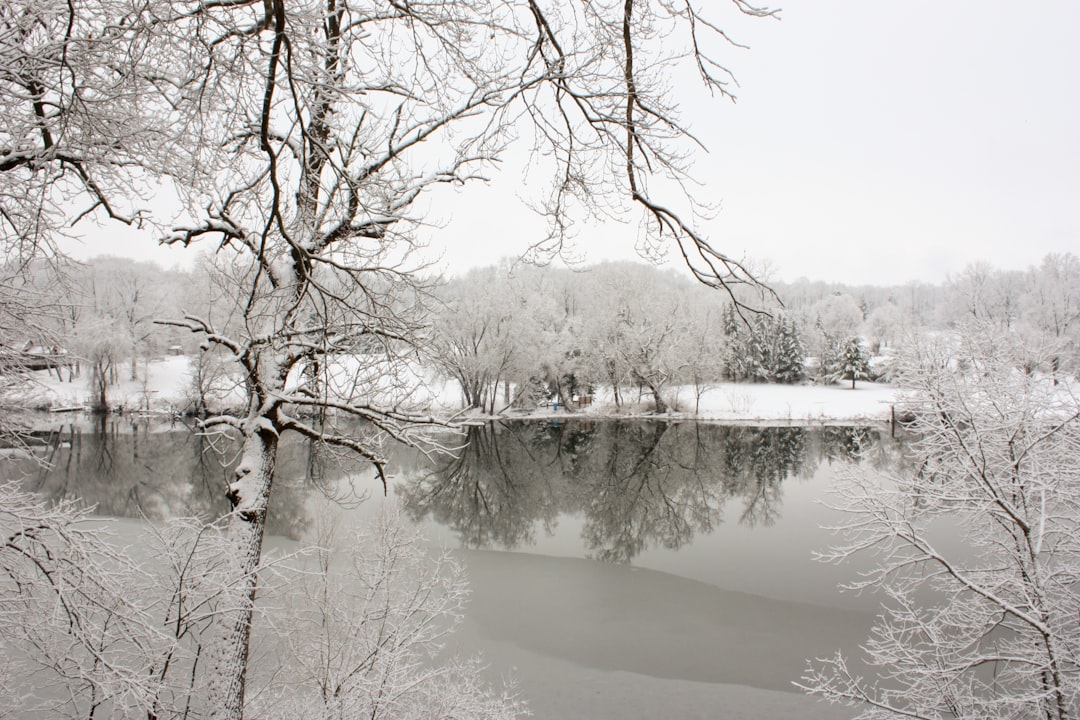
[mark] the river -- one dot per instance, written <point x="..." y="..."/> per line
<point x="618" y="569"/>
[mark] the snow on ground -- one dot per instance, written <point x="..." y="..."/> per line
<point x="756" y="402"/>
<point x="165" y="386"/>
<point x="162" y="385"/>
<point x="751" y="403"/>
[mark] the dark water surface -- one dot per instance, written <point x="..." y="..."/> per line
<point x="619" y="569"/>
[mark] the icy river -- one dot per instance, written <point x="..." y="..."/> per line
<point x="618" y="569"/>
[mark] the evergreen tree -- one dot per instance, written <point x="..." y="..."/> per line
<point x="761" y="349"/>
<point x="766" y="350"/>
<point x="788" y="360"/>
<point x="852" y="361"/>
<point x="738" y="360"/>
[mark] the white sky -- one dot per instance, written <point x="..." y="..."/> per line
<point x="872" y="142"/>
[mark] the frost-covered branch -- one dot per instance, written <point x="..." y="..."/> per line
<point x="995" y="458"/>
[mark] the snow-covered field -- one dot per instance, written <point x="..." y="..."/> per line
<point x="165" y="386"/>
<point x="162" y="385"/>
<point x="755" y="402"/>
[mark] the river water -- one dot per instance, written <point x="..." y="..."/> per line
<point x="618" y="569"/>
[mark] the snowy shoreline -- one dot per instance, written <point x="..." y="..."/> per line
<point x="739" y="403"/>
<point x="163" y="389"/>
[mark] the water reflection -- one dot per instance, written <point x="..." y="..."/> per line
<point x="132" y="467"/>
<point x="635" y="485"/>
<point x="501" y="486"/>
<point x="126" y="468"/>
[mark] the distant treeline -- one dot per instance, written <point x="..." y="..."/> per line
<point x="634" y="326"/>
<point x="551" y="332"/>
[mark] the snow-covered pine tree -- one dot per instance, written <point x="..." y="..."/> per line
<point x="761" y="340"/>
<point x="766" y="350"/>
<point x="852" y="361"/>
<point x="737" y="355"/>
<point x="788" y="362"/>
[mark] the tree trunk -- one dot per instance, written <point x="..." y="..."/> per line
<point x="99" y="384"/>
<point x="614" y="386"/>
<point x="661" y="406"/>
<point x="249" y="493"/>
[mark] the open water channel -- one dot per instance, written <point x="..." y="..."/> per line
<point x="618" y="569"/>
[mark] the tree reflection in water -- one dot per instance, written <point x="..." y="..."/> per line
<point x="134" y="468"/>
<point x="508" y="479"/>
<point x="635" y="484"/>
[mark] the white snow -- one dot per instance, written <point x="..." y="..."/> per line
<point x="162" y="385"/>
<point x="797" y="403"/>
<point x="750" y="403"/>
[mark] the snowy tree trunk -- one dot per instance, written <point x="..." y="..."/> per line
<point x="249" y="493"/>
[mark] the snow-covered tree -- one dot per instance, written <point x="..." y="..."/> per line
<point x="82" y="630"/>
<point x="23" y="294"/>
<point x="90" y="627"/>
<point x="89" y="630"/>
<point x="837" y="315"/>
<point x="984" y="628"/>
<point x="77" y="90"/>
<point x="702" y="352"/>
<point x="550" y="337"/>
<point x="651" y="330"/>
<point x="739" y="353"/>
<point x="786" y="352"/>
<point x="134" y="294"/>
<point x="765" y="349"/>
<point x="1051" y="307"/>
<point x="603" y="333"/>
<point x="982" y="294"/>
<point x="476" y="334"/>
<point x="849" y="361"/>
<point x="884" y="325"/>
<point x="119" y="299"/>
<point x="78" y="131"/>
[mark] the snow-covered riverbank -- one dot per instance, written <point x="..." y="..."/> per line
<point x="166" y="386"/>
<point x="753" y="403"/>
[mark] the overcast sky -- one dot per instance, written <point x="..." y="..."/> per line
<point x="872" y="142"/>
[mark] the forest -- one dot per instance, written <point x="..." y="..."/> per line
<point x="513" y="334"/>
